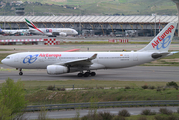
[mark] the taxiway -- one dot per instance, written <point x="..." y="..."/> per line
<point x="137" y="73"/>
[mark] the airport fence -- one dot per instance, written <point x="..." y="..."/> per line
<point x="103" y="105"/>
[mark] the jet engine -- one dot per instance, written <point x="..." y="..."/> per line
<point x="48" y="34"/>
<point x="63" y="34"/>
<point x="57" y="69"/>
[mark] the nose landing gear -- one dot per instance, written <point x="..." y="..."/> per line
<point x="20" y="72"/>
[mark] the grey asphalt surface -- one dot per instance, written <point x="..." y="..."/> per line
<point x="73" y="113"/>
<point x="77" y="38"/>
<point x="137" y="73"/>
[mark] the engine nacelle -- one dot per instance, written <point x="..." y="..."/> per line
<point x="57" y="69"/>
<point x="48" y="34"/>
<point x="63" y="34"/>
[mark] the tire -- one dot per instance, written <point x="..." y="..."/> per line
<point x="93" y="73"/>
<point x="20" y="73"/>
<point x="80" y="74"/>
<point x="86" y="74"/>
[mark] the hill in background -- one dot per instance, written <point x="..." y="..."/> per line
<point x="98" y="7"/>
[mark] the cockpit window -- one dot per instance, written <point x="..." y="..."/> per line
<point x="7" y="57"/>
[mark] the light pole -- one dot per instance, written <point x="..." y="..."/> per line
<point x="4" y="19"/>
<point x="80" y="24"/>
<point x="177" y="4"/>
<point x="33" y="10"/>
<point x="155" y="23"/>
<point x="4" y="15"/>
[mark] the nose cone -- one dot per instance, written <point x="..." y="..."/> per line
<point x="6" y="62"/>
<point x="3" y="61"/>
<point x="76" y="32"/>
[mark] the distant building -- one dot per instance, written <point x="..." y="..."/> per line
<point x="20" y="11"/>
<point x="19" y="2"/>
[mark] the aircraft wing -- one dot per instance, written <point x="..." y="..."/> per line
<point x="79" y="62"/>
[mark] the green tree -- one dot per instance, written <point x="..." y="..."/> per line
<point x="5" y="113"/>
<point x="13" y="96"/>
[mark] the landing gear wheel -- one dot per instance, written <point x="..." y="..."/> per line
<point x="86" y="74"/>
<point x="80" y="74"/>
<point x="93" y="73"/>
<point x="20" y="73"/>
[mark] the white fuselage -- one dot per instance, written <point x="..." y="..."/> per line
<point x="54" y="31"/>
<point x="104" y="60"/>
<point x="15" y="31"/>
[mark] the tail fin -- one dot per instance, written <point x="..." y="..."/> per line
<point x="162" y="41"/>
<point x="30" y="24"/>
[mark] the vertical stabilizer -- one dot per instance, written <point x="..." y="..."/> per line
<point x="162" y="41"/>
<point x="32" y="26"/>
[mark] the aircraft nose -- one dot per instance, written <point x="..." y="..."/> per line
<point x="2" y="61"/>
<point x="76" y="32"/>
<point x="5" y="62"/>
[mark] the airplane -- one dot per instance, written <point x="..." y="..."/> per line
<point x="12" y="32"/>
<point x="51" y="32"/>
<point x="67" y="62"/>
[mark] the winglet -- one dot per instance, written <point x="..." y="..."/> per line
<point x="93" y="57"/>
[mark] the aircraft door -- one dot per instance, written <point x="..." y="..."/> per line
<point x="41" y="59"/>
<point x="135" y="57"/>
<point x="16" y="58"/>
<point x="58" y="59"/>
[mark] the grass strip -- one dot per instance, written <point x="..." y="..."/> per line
<point x="6" y="49"/>
<point x="101" y="91"/>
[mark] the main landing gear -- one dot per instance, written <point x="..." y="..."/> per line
<point x="86" y="74"/>
<point x="20" y="72"/>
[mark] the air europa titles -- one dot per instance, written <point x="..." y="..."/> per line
<point x="50" y="55"/>
<point x="161" y="38"/>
